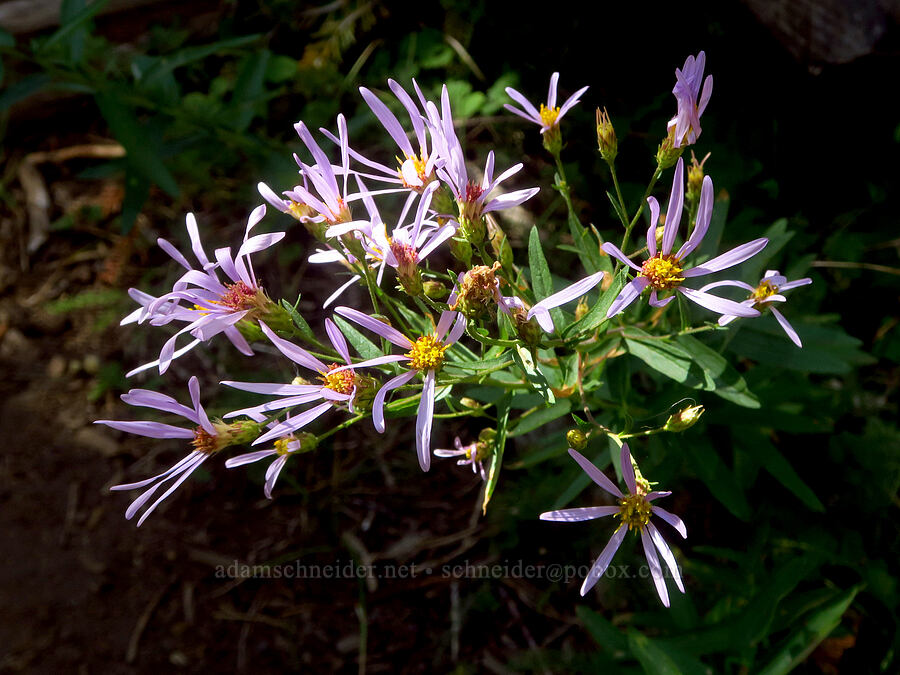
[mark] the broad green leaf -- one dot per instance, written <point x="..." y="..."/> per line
<point x="281" y="69"/>
<point x="499" y="445"/>
<point x="664" y="356"/>
<point x="540" y="417"/>
<point x="541" y="281"/>
<point x="805" y="639"/>
<point x="69" y="11"/>
<point x="365" y="347"/>
<point x="776" y="464"/>
<point x="718" y="478"/>
<point x="604" y="633"/>
<point x="721" y="377"/>
<point x="141" y="154"/>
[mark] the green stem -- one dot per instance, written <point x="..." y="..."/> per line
<point x="622" y="212"/>
<point x="640" y="210"/>
<point x="340" y="427"/>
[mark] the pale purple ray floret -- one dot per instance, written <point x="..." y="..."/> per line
<point x="338" y="385"/>
<point x="691" y="100"/>
<point x="663" y="270"/>
<point x="471" y="197"/>
<point x="468" y="453"/>
<point x="634" y="512"/>
<point x="425" y="355"/>
<point x="285" y="447"/>
<point x="550" y="114"/>
<point x="768" y="291"/>
<point x="213" y="306"/>
<point x="203" y="437"/>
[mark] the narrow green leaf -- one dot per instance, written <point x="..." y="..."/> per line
<point x="499" y="445"/>
<point x="535" y="377"/>
<point x="298" y="319"/>
<point x="805" y="639"/>
<point x="463" y="368"/>
<point x="540" y="417"/>
<point x="75" y="21"/>
<point x="23" y="89"/>
<point x="360" y="342"/>
<point x="775" y="463"/>
<point x="720" y="377"/>
<point x="596" y="316"/>
<point x="248" y="89"/>
<point x="169" y="62"/>
<point x="653" y="660"/>
<point x="541" y="281"/>
<point x="141" y="155"/>
<point x="604" y="633"/>
<point x="718" y="478"/>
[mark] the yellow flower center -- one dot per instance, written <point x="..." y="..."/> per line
<point x="549" y="115"/>
<point x="419" y="166"/>
<point x="342" y="381"/>
<point x="427" y="353"/>
<point x="663" y="272"/>
<point x="634" y="511"/>
<point x="281" y="445"/>
<point x="765" y="290"/>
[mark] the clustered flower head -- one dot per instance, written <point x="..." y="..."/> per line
<point x="444" y="210"/>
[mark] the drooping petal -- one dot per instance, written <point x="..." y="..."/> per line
<point x="248" y="458"/>
<point x="794" y="284"/>
<point x="149" y="429"/>
<point x="628" y="295"/>
<point x="656" y="494"/>
<point x="424" y="420"/>
<point x="173" y="469"/>
<point x="616" y="253"/>
<point x="294" y="423"/>
<point x="655" y="569"/>
<point x="672" y="520"/>
<point x="666" y="554"/>
<point x="577" y="515"/>
<point x="595" y="474"/>
<point x="272" y="475"/>
<point x="728" y="282"/>
<point x="187" y="471"/>
<point x="378" y="403"/>
<point x="525" y="103"/>
<point x="293" y="352"/>
<point x="717" y="304"/>
<point x="574" y="291"/>
<point x="603" y="561"/>
<point x="791" y="333"/>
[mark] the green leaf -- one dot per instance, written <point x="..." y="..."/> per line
<point x="540" y="417"/>
<point x="166" y="64"/>
<point x="23" y="89"/>
<point x="588" y="246"/>
<point x="298" y="319"/>
<point x="596" y="316"/>
<point x="499" y="445"/>
<point x="604" y="633"/>
<point x="7" y="39"/>
<point x="541" y="281"/>
<point x="360" y="342"/>
<point x="76" y="21"/>
<point x="141" y="153"/>
<point x="718" y="478"/>
<point x="137" y="190"/>
<point x="534" y="377"/>
<point x="775" y="463"/>
<point x="69" y="11"/>
<point x="653" y="660"/>
<point x="280" y="69"/>
<point x="463" y="368"/>
<point x="805" y="639"/>
<point x="721" y="377"/>
<point x="248" y="89"/>
<point x="664" y="357"/>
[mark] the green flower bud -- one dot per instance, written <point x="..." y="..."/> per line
<point x="684" y="419"/>
<point x="668" y="154"/>
<point x="606" y="137"/>
<point x="576" y="439"/>
<point x="434" y="290"/>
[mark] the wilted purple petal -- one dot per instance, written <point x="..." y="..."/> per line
<point x="666" y="554"/>
<point x="293" y="352"/>
<point x="378" y="403"/>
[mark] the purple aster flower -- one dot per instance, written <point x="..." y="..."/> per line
<point x="425" y="355"/>
<point x="685" y="126"/>
<point x="769" y="291"/>
<point x="471" y="455"/>
<point x="471" y="198"/>
<point x="206" y="437"/>
<point x="285" y="447"/>
<point x="213" y="306"/>
<point x="338" y="386"/>
<point x="663" y="270"/>
<point x="634" y="512"/>
<point x="549" y="115"/>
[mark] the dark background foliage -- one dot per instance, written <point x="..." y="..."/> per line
<point x="791" y="509"/>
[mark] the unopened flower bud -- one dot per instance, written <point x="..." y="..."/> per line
<point x="552" y="138"/>
<point x="576" y="439"/>
<point x="461" y="250"/>
<point x="695" y="175"/>
<point x="606" y="137"/>
<point x="434" y="290"/>
<point x="467" y="402"/>
<point x="300" y="381"/>
<point x="308" y="442"/>
<point x="487" y="435"/>
<point x="581" y="309"/>
<point x="442" y="202"/>
<point x="235" y="433"/>
<point x="684" y="419"/>
<point x="528" y="330"/>
<point x="668" y="154"/>
<point x="354" y="245"/>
